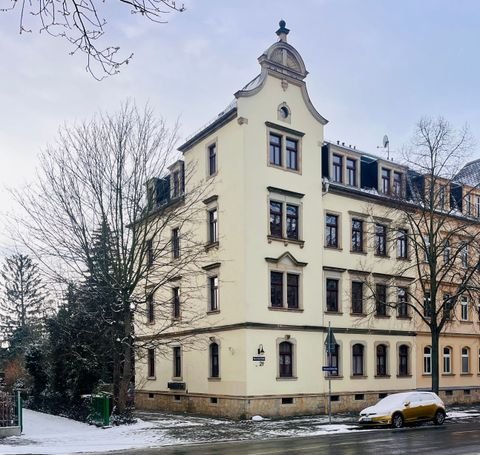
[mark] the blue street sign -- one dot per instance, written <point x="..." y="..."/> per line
<point x="330" y="369"/>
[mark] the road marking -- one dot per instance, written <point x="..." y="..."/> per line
<point x="463" y="432"/>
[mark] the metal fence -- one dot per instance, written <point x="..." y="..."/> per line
<point x="10" y="410"/>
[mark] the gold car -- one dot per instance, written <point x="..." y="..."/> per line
<point x="407" y="407"/>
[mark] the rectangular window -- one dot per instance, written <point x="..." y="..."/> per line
<point x="465" y="360"/>
<point x="447" y="306"/>
<point x="402" y="243"/>
<point x="441" y="197"/>
<point x="213" y="293"/>
<point x="464" y="308"/>
<point x="276" y="216"/>
<point x="292" y="290"/>
<point x="150" y="255"/>
<point x="151" y="363"/>
<point x="357" y="236"/>
<point x="150" y="309"/>
<point x="380" y="240"/>
<point x="357" y="297"/>
<point x="381" y="300"/>
<point x="397" y="184"/>
<point x="276" y="289"/>
<point x="176" y="243"/>
<point x="331" y="231"/>
<point x="275" y="149"/>
<point x="332" y="295"/>
<point x="351" y="172"/>
<point x="468" y="205"/>
<point x="176" y="184"/>
<point x="402" y="304"/>
<point x="177" y="362"/>
<point x="385" y="181"/>
<point x="292" y="222"/>
<point x="337" y="162"/>
<point x="213" y="226"/>
<point x="291" y="146"/>
<point x="464" y="255"/>
<point x="176" y="303"/>
<point x="212" y="159"/>
<point x="427" y="305"/>
<point x="477" y="206"/>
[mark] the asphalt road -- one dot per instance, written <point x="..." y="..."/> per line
<point x="451" y="438"/>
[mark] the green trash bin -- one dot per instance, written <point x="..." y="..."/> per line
<point x="100" y="413"/>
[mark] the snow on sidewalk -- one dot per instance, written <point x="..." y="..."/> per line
<point x="48" y="434"/>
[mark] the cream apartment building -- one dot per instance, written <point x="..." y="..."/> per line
<point x="299" y="234"/>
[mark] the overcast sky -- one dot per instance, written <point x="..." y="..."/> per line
<point x="376" y="67"/>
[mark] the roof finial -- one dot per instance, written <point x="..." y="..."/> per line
<point x="283" y="31"/>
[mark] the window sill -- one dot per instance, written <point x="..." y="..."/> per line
<point x="337" y="313"/>
<point x="404" y="375"/>
<point x="466" y="374"/>
<point x="151" y="378"/>
<point x="295" y="310"/>
<point x="448" y="374"/>
<point x="290" y="378"/>
<point x="358" y="252"/>
<point x="358" y="376"/>
<point x="463" y="321"/>
<point x="211" y="245"/>
<point x="333" y="377"/>
<point x="214" y="379"/>
<point x="382" y="316"/>
<point x="382" y="376"/>
<point x="286" y="241"/>
<point x="336" y="248"/>
<point x="177" y="379"/>
<point x="404" y="317"/>
<point x="150" y="323"/>
<point x="213" y="312"/>
<point x="358" y="315"/>
<point x="285" y="168"/>
<point x="384" y="256"/>
<point x="400" y="258"/>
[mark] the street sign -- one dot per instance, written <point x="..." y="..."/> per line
<point x="330" y="369"/>
<point x="330" y="342"/>
<point x="259" y="358"/>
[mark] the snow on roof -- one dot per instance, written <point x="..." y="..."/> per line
<point x="254" y="83"/>
<point x="469" y="174"/>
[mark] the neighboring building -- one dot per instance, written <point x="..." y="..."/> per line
<point x="300" y="234"/>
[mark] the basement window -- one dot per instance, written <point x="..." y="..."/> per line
<point x="359" y="396"/>
<point x="151" y="395"/>
<point x="448" y="393"/>
<point x="177" y="397"/>
<point x="466" y="392"/>
<point x="335" y="398"/>
<point x="287" y="400"/>
<point x="382" y="395"/>
<point x="213" y="400"/>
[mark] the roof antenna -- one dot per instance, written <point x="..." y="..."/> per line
<point x="386" y="145"/>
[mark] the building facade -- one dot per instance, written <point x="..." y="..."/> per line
<point x="300" y="234"/>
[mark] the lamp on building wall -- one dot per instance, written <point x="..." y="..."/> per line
<point x="260" y="349"/>
<point x="211" y="338"/>
<point x="325" y="185"/>
<point x="287" y="337"/>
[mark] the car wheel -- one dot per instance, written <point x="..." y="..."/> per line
<point x="439" y="417"/>
<point x="397" y="420"/>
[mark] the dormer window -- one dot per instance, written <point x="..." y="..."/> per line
<point x="176" y="184"/>
<point x="385" y="181"/>
<point x="397" y="184"/>
<point x="351" y="172"/>
<point x="337" y="163"/>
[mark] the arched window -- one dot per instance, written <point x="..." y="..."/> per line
<point x="214" y="364"/>
<point x="357" y="356"/>
<point x="447" y="360"/>
<point x="403" y="353"/>
<point x="381" y="360"/>
<point x="465" y="360"/>
<point x="427" y="360"/>
<point x="285" y="359"/>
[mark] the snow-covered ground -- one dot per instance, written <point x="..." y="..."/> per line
<point x="47" y="434"/>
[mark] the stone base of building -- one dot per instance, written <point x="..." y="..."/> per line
<point x="277" y="406"/>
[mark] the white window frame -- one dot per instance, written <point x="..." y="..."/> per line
<point x="427" y="360"/>
<point x="447" y="358"/>
<point x="464" y="308"/>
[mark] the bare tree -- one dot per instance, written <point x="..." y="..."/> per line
<point x="95" y="180"/>
<point x="438" y="230"/>
<point x="83" y="24"/>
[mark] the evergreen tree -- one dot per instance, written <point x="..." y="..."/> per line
<point x="22" y="300"/>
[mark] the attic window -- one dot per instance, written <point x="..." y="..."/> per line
<point x="283" y="113"/>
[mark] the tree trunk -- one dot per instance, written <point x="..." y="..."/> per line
<point x="126" y="355"/>
<point x="435" y="362"/>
